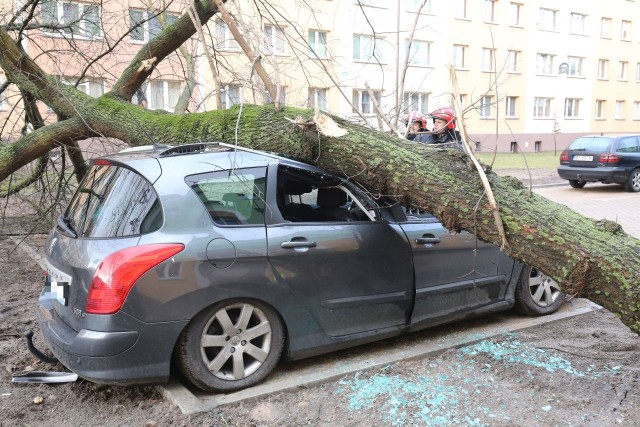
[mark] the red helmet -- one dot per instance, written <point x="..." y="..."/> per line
<point x="416" y="116"/>
<point x="447" y="114"/>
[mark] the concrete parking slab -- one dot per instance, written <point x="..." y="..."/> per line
<point x="293" y="375"/>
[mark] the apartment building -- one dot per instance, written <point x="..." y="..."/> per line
<point x="530" y="75"/>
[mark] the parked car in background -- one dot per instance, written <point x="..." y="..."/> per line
<point x="610" y="159"/>
<point x="223" y="259"/>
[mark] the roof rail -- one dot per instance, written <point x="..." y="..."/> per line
<point x="198" y="147"/>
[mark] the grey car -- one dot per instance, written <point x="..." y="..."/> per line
<point x="222" y="260"/>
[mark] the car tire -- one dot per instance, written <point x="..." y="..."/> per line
<point x="575" y="183"/>
<point x="231" y="345"/>
<point x="536" y="293"/>
<point x="633" y="183"/>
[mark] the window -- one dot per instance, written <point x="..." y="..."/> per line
<point x="625" y="30"/>
<point x="638" y="72"/>
<point x="459" y="56"/>
<point x="318" y="43"/>
<point x="636" y="110"/>
<point x="513" y="58"/>
<point x="366" y="48"/>
<point x="619" y="110"/>
<point x="377" y="3"/>
<point x="90" y="86"/>
<point x="419" y="52"/>
<point x="622" y="70"/>
<point x="416" y="102"/>
<point x="542" y="107"/>
<point x="575" y="66"/>
<point x="236" y="198"/>
<point x="145" y="25"/>
<point x="317" y="98"/>
<point x="163" y="94"/>
<point x="577" y="24"/>
<point x="544" y="64"/>
<point x="603" y="67"/>
<point x="77" y="19"/>
<point x="600" y="108"/>
<point x="547" y="19"/>
<point x="282" y="95"/>
<point x="230" y="96"/>
<point x="572" y="108"/>
<point x="605" y="28"/>
<point x="488" y="59"/>
<point x="362" y="101"/>
<point x="463" y="101"/>
<point x="274" y="42"/>
<point x="485" y="106"/>
<point x="510" y="106"/>
<point x="224" y="38"/>
<point x="515" y="11"/>
<point x="414" y="5"/>
<point x="461" y="9"/>
<point x="489" y="11"/>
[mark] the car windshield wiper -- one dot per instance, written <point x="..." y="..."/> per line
<point x="65" y="227"/>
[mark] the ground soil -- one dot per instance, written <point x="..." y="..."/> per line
<point x="579" y="372"/>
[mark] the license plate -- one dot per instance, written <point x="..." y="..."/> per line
<point x="583" y="158"/>
<point x="59" y="290"/>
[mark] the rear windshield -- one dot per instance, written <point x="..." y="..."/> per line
<point x="114" y="202"/>
<point x="597" y="144"/>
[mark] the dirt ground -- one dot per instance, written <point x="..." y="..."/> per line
<point x="579" y="372"/>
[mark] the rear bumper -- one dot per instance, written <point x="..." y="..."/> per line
<point x="601" y="174"/>
<point x="135" y="356"/>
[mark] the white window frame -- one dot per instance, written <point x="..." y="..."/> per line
<point x="619" y="110"/>
<point x="230" y="94"/>
<point x="511" y="106"/>
<point x="461" y="9"/>
<point x="572" y="108"/>
<point x="542" y="107"/>
<point x="547" y="19"/>
<point x="82" y="29"/>
<point x="513" y="60"/>
<point x="605" y="28"/>
<point x="601" y="105"/>
<point x="224" y="38"/>
<point x="413" y="5"/>
<point x="578" y="24"/>
<point x="318" y="98"/>
<point x="622" y="70"/>
<point x="636" y="110"/>
<point x="575" y="66"/>
<point x="419" y="54"/>
<point x="166" y="88"/>
<point x="363" y="103"/>
<point x="368" y="49"/>
<point x="638" y="72"/>
<point x="603" y="69"/>
<point x="282" y="95"/>
<point x="459" y="57"/>
<point x="484" y="108"/>
<point x="544" y="64"/>
<point x="625" y="30"/>
<point x="274" y="40"/>
<point x="416" y="101"/>
<point x="150" y="25"/>
<point x="94" y="87"/>
<point x="515" y="14"/>
<point x="488" y="59"/>
<point x="490" y="11"/>
<point x="317" y="40"/>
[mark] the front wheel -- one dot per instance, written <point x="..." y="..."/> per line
<point x="633" y="183"/>
<point x="575" y="183"/>
<point x="537" y="294"/>
<point x="230" y="346"/>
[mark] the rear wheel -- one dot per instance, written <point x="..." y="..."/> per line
<point x="230" y="346"/>
<point x="575" y="183"/>
<point x="633" y="183"/>
<point x="536" y="293"/>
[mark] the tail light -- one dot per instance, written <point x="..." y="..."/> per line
<point x="608" y="159"/>
<point x="564" y="158"/>
<point x="117" y="273"/>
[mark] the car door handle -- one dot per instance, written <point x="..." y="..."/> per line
<point x="427" y="240"/>
<point x="298" y="244"/>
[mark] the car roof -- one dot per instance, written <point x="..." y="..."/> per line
<point x="609" y="135"/>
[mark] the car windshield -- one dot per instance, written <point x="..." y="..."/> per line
<point x="597" y="144"/>
<point x="114" y="202"/>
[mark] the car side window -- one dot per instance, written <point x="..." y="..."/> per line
<point x="418" y="215"/>
<point x="628" y="145"/>
<point x="232" y="197"/>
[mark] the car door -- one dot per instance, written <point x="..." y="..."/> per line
<point x="352" y="276"/>
<point x="455" y="273"/>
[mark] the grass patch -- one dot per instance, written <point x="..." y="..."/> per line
<point x="541" y="160"/>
